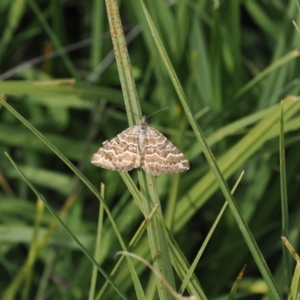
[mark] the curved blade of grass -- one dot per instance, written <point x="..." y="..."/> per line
<point x="66" y="87"/>
<point x="204" y="244"/>
<point x="182" y="266"/>
<point x="131" y="244"/>
<point x="155" y="271"/>
<point x="76" y="171"/>
<point x="232" y="294"/>
<point x="232" y="160"/>
<point x="235" y="127"/>
<point x="15" y="284"/>
<point x="184" y="271"/>
<point x="66" y="227"/>
<point x="257" y="255"/>
<point x="278" y="63"/>
<point x="62" y="157"/>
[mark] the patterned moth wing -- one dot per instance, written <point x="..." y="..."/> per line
<point x="120" y="153"/>
<point x="160" y="156"/>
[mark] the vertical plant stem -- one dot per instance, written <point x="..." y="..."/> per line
<point x="284" y="199"/>
<point x="156" y="232"/>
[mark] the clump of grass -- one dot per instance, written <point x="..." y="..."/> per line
<point x="188" y="57"/>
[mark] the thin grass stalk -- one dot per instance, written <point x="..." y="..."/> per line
<point x="14" y="286"/>
<point x="284" y="200"/>
<point x="182" y="267"/>
<point x="39" y="14"/>
<point x="291" y="249"/>
<point x="45" y="278"/>
<point x="32" y="254"/>
<point x="156" y="233"/>
<point x="66" y="161"/>
<point x="204" y="244"/>
<point x="156" y="272"/>
<point x="268" y="71"/>
<point x="257" y="255"/>
<point x="216" y="61"/>
<point x="232" y="294"/>
<point x="123" y="62"/>
<point x="97" y="29"/>
<point x="78" y="173"/>
<point x="171" y="203"/>
<point x="233" y="159"/>
<point x="15" y="14"/>
<point x="294" y="291"/>
<point x="157" y="237"/>
<point x="84" y="250"/>
<point x="131" y="244"/>
<point x="136" y="194"/>
<point x="234" y="29"/>
<point x="98" y="245"/>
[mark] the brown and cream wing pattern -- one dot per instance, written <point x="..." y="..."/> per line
<point x="120" y="153"/>
<point x="160" y="156"/>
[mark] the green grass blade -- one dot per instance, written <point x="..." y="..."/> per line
<point x="156" y="232"/>
<point x="215" y="168"/>
<point x="217" y="98"/>
<point x="207" y="238"/>
<point x="74" y="169"/>
<point x="67" y="229"/>
<point x="131" y="244"/>
<point x="284" y="199"/>
<point x="123" y="62"/>
<point x="269" y="70"/>
<point x="32" y="254"/>
<point x="53" y="38"/>
<point x="97" y="29"/>
<point x="291" y="249"/>
<point x="98" y="246"/>
<point x="14" y="18"/>
<point x="295" y="286"/>
<point x="232" y="294"/>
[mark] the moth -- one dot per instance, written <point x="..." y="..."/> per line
<point x="141" y="146"/>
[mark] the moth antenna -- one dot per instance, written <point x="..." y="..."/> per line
<point x="157" y="112"/>
<point x="138" y="118"/>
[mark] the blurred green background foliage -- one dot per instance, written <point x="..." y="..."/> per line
<point x="236" y="60"/>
